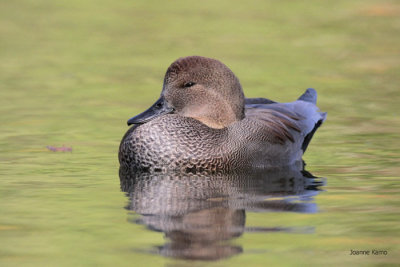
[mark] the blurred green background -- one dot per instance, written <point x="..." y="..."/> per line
<point x="72" y="72"/>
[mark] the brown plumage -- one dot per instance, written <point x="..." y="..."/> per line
<point x="202" y="122"/>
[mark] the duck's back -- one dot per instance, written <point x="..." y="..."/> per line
<point x="281" y="132"/>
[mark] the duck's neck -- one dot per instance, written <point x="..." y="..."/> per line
<point x="217" y="117"/>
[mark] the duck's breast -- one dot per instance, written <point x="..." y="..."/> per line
<point x="173" y="142"/>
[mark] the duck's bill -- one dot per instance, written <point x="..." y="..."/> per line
<point x="159" y="108"/>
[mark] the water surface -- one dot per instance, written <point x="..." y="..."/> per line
<point x="200" y="214"/>
<point x="73" y="72"/>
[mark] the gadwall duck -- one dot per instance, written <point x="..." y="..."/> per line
<point x="203" y="122"/>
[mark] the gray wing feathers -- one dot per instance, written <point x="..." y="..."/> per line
<point x="289" y="121"/>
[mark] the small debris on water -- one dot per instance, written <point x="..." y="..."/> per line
<point x="59" y="149"/>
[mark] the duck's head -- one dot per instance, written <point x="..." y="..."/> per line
<point x="201" y="88"/>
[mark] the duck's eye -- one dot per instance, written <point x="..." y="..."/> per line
<point x="189" y="84"/>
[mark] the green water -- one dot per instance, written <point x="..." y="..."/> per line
<point x="72" y="73"/>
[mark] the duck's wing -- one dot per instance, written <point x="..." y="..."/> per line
<point x="295" y="121"/>
<point x="310" y="95"/>
<point x="258" y="100"/>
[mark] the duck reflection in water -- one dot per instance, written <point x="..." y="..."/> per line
<point x="200" y="213"/>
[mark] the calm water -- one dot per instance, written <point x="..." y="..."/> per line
<point x="72" y="73"/>
<point x="200" y="215"/>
